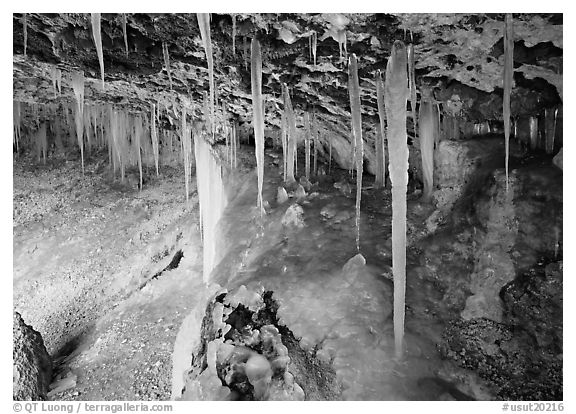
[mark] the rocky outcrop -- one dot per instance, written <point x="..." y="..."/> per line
<point x="32" y="367"/>
<point x="245" y="354"/>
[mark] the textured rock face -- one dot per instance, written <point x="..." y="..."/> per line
<point x="246" y="355"/>
<point x="459" y="55"/>
<point x="32" y="365"/>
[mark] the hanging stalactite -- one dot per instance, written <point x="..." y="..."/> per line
<point x="258" y="115"/>
<point x="96" y="34"/>
<point x="204" y="24"/>
<point x="291" y="147"/>
<point x="78" y="87"/>
<point x="396" y="96"/>
<point x="167" y="62"/>
<point x="412" y="83"/>
<point x="508" y="79"/>
<point x="380" y="180"/>
<point x="25" y="31"/>
<point x="125" y="32"/>
<point x="233" y="15"/>
<point x="355" y="109"/>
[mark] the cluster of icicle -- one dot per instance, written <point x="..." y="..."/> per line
<point x="132" y="139"/>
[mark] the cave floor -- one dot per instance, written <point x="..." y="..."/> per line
<point x="86" y="249"/>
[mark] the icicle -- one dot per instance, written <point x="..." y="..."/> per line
<point x="138" y="144"/>
<point x="291" y="147"/>
<point x="533" y="133"/>
<point x="550" y="126"/>
<point x="54" y="72"/>
<point x="412" y="81"/>
<point x="314" y="45"/>
<point x="316" y="145"/>
<point x="78" y="86"/>
<point x="25" y="31"/>
<point x="41" y="143"/>
<point x="508" y="79"/>
<point x="167" y="62"/>
<point x="381" y="136"/>
<point x="396" y="95"/>
<point x="211" y="199"/>
<point x="355" y="109"/>
<point x="124" y="24"/>
<point x="284" y="135"/>
<point x="98" y="42"/>
<point x="427" y="133"/>
<point x="233" y="33"/>
<point x="204" y="24"/>
<point x="258" y="116"/>
<point x="154" y="136"/>
<point x="17" y="115"/>
<point x="186" y="151"/>
<point x="307" y="145"/>
<point x="245" y="52"/>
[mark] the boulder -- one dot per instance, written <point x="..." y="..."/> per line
<point x="32" y="367"/>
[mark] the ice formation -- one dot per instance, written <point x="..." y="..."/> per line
<point x="17" y="117"/>
<point x="307" y="134"/>
<point x="533" y="132"/>
<point x="233" y="34"/>
<point x="211" y="199"/>
<point x="78" y="87"/>
<point x="125" y="32"/>
<point x="550" y="125"/>
<point x="355" y="109"/>
<point x="428" y="119"/>
<point x="167" y="62"/>
<point x="314" y="45"/>
<point x="204" y="24"/>
<point x="291" y="147"/>
<point x="154" y="135"/>
<point x="380" y="180"/>
<point x="258" y="116"/>
<point x="412" y="84"/>
<point x="396" y="95"/>
<point x="186" y="146"/>
<point x="508" y="79"/>
<point x="96" y="34"/>
<point x="25" y="30"/>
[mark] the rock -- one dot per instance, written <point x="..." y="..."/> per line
<point x="282" y="195"/>
<point x="457" y="164"/>
<point x="32" y="367"/>
<point x="63" y="384"/>
<point x="294" y="217"/>
<point x="344" y="187"/>
<point x="304" y="182"/>
<point x="557" y="160"/>
<point x="300" y="192"/>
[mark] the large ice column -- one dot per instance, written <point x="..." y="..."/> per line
<point x="211" y="199"/>
<point x="355" y="109"/>
<point x="380" y="135"/>
<point x="258" y="116"/>
<point x="396" y="95"/>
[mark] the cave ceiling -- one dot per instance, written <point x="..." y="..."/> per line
<point x="458" y="56"/>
